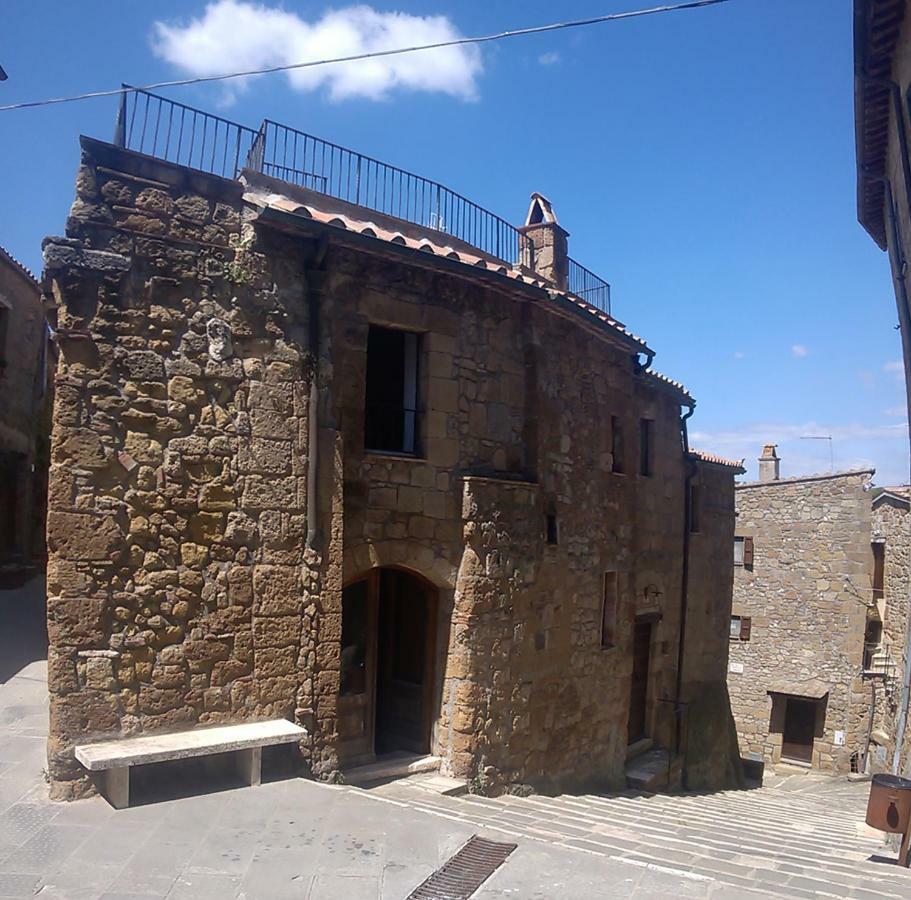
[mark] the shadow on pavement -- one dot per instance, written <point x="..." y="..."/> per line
<point x="23" y="626"/>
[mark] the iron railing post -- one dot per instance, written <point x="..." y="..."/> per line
<point x="120" y="129"/>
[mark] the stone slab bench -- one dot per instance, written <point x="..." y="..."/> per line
<point x="114" y="758"/>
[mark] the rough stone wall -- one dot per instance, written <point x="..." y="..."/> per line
<point x="194" y="580"/>
<point x="891" y="525"/>
<point x="512" y="393"/>
<point x="806" y="594"/>
<point x="21" y="400"/>
<point x="713" y="759"/>
<point x="180" y="589"/>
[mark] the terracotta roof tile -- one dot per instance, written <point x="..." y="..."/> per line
<point x="5" y="254"/>
<point x="702" y="456"/>
<point x="427" y="244"/>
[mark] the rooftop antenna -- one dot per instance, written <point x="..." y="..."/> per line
<point x="822" y="437"/>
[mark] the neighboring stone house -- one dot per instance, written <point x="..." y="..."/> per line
<point x="819" y="615"/>
<point x="887" y="649"/>
<point x="23" y="423"/>
<point x="882" y="93"/>
<point x="315" y="461"/>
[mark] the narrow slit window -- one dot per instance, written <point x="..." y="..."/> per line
<point x="695" y="510"/>
<point x="879" y="566"/>
<point x="616" y="436"/>
<point x="609" y="598"/>
<point x="391" y="413"/>
<point x="551" y="528"/>
<point x="646" y="448"/>
<point x="738" y="551"/>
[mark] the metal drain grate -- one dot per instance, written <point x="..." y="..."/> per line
<point x="464" y="873"/>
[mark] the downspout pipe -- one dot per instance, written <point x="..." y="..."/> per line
<point x="684" y="590"/>
<point x="313" y="277"/>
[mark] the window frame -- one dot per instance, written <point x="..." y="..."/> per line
<point x="744" y="630"/>
<point x="412" y="383"/>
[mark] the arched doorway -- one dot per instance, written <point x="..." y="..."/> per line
<point x="389" y="619"/>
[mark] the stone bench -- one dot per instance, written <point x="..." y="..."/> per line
<point x="114" y="758"/>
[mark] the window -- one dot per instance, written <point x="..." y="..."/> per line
<point x="551" y="525"/>
<point x="616" y="448"/>
<point x="4" y="328"/>
<point x="879" y="565"/>
<point x="391" y="414"/>
<point x="695" y="511"/>
<point x="610" y="592"/>
<point x="741" y="626"/>
<point x="743" y="552"/>
<point x="646" y="449"/>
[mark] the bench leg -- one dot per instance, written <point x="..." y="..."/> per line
<point x="116" y="786"/>
<point x="250" y="765"/>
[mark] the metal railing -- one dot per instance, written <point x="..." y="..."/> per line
<point x="363" y="181"/>
<point x="172" y="131"/>
<point x="588" y="287"/>
<point x="165" y="129"/>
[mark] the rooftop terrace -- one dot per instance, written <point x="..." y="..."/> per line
<point x="180" y="134"/>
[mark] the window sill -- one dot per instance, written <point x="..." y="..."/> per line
<point x="394" y="454"/>
<point x="606" y="648"/>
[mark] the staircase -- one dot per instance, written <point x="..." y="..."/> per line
<point x="796" y="839"/>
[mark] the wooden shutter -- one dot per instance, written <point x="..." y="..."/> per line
<point x="746" y="626"/>
<point x="748" y="552"/>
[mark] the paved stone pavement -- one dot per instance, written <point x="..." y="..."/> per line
<point x="295" y="838"/>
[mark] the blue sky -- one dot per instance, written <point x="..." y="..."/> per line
<point x="702" y="161"/>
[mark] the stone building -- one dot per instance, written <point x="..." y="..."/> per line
<point x="23" y="401"/>
<point x="331" y="461"/>
<point x="882" y="80"/>
<point x="818" y="619"/>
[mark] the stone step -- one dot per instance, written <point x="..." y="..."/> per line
<point x="771" y="872"/>
<point x="726" y="840"/>
<point x="673" y="818"/>
<point x="730" y="836"/>
<point x="650" y="771"/>
<point x="391" y="765"/>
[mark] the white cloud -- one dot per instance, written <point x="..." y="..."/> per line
<point x="549" y="59"/>
<point x="234" y="35"/>
<point x="798" y="351"/>
<point x="896" y="412"/>
<point x="739" y="354"/>
<point x="894" y="365"/>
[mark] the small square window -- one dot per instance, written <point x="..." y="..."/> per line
<point x="741" y="628"/>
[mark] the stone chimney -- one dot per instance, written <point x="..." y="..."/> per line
<point x="769" y="464"/>
<point x="547" y="254"/>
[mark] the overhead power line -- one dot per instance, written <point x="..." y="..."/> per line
<point x="481" y="39"/>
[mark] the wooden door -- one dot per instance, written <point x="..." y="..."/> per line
<point x="357" y="688"/>
<point x="638" y="700"/>
<point x="407" y="620"/>
<point x="799" y="729"/>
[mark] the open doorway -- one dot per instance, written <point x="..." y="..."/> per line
<point x="389" y="621"/>
<point x="799" y="729"/>
<point x="638" y="700"/>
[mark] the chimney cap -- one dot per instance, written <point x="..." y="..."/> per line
<point x="768" y="451"/>
<point x="540" y="211"/>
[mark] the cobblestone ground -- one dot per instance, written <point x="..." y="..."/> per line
<point x="294" y="838"/>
